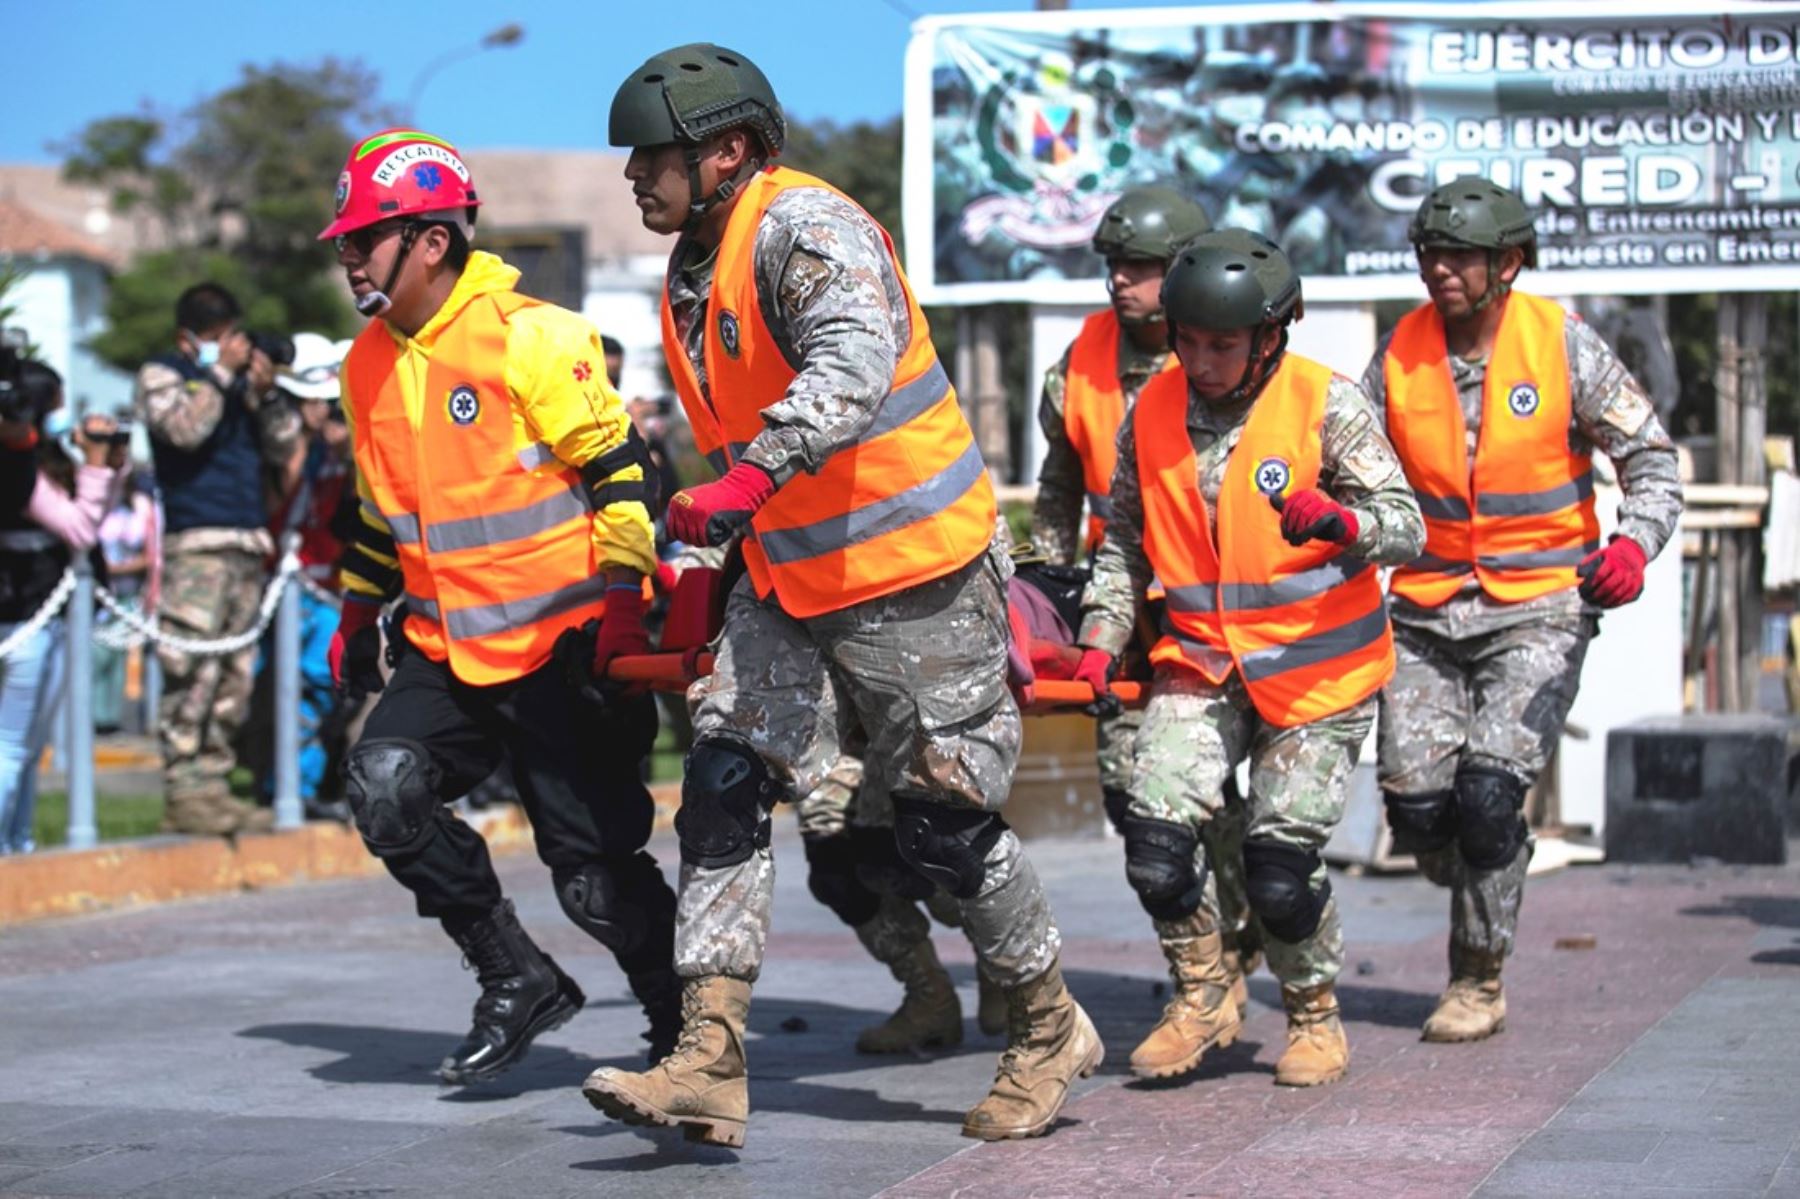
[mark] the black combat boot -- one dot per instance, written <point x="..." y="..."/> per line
<point x="660" y="993"/>
<point x="523" y="993"/>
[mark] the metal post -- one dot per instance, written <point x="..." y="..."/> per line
<point x="152" y="675"/>
<point x="287" y="696"/>
<point x="80" y="740"/>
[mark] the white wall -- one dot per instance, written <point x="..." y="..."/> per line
<point x="1633" y="670"/>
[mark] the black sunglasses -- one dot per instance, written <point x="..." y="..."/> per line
<point x="364" y="240"/>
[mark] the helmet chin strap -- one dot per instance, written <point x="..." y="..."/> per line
<point x="1258" y="370"/>
<point x="1496" y="288"/>
<point x="376" y="303"/>
<point x="698" y="205"/>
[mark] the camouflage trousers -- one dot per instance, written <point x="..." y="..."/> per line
<point x="923" y="673"/>
<point x="1114" y="739"/>
<point x="1496" y="699"/>
<point x="840" y="801"/>
<point x="1194" y="736"/>
<point x="206" y="594"/>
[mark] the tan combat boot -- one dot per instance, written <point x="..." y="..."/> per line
<point x="214" y="814"/>
<point x="1202" y="1013"/>
<point x="1317" y="1051"/>
<point x="1243" y="955"/>
<point x="1473" y="1007"/>
<point x="990" y="1008"/>
<point x="1050" y="1043"/>
<point x="930" y="1014"/>
<point x="703" y="1086"/>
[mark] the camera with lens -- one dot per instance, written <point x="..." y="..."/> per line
<point x="278" y="347"/>
<point x="15" y="402"/>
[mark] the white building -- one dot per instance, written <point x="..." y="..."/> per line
<point x="60" y="302"/>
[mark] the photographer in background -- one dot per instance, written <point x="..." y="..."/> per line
<point x="217" y="431"/>
<point x="60" y="518"/>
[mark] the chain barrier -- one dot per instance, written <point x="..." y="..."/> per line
<point x="65" y="587"/>
<point x="136" y="629"/>
<point x="324" y="595"/>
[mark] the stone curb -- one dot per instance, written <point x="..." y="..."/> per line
<point x="127" y="874"/>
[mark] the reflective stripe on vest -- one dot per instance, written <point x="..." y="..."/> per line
<point x="1093" y="409"/>
<point x="1304" y="625"/>
<point x="496" y="554"/>
<point x="1522" y="516"/>
<point x="907" y="502"/>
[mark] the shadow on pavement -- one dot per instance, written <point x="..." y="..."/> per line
<point x="1771" y="911"/>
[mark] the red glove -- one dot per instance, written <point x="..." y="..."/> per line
<point x="1614" y="575"/>
<point x="356" y="616"/>
<point x="1095" y="669"/>
<point x="621" y="626"/>
<point x="710" y="513"/>
<point x="1314" y="516"/>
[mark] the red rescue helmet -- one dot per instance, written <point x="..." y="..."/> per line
<point x="402" y="172"/>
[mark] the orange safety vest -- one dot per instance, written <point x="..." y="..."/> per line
<point x="1523" y="518"/>
<point x="909" y="501"/>
<point x="1305" y="626"/>
<point x="1093" y="409"/>
<point x="496" y="551"/>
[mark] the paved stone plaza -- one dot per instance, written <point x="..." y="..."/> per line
<point x="283" y="1043"/>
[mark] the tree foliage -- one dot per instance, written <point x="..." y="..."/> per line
<point x="236" y="189"/>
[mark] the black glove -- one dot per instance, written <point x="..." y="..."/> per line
<point x="574" y="653"/>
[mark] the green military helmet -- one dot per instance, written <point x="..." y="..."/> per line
<point x="692" y="92"/>
<point x="1231" y="279"/>
<point x="1149" y="222"/>
<point x="1473" y="211"/>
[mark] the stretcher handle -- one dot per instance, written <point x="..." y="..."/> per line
<point x="673" y="672"/>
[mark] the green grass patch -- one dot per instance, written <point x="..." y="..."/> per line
<point x="119" y="817"/>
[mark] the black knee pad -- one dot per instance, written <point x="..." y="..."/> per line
<point x="1489" y="826"/>
<point x="1421" y="823"/>
<point x="949" y="846"/>
<point x="1278" y="879"/>
<point x="1116" y="803"/>
<point x="1163" y="865"/>
<point x="832" y="878"/>
<point x="880" y="867"/>
<point x="391" y="785"/>
<point x="726" y="797"/>
<point x="623" y="903"/>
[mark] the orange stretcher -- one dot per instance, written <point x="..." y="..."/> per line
<point x="673" y="672"/>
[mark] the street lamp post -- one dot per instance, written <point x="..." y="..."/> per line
<point x="510" y="34"/>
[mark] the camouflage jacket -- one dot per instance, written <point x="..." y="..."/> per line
<point x="1056" y="527"/>
<point x="832" y="299"/>
<point x="1613" y="416"/>
<point x="1358" y="469"/>
<point x="185" y="417"/>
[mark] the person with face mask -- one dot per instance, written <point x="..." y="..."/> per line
<point x="37" y="542"/>
<point x="216" y="430"/>
<point x="1257" y="487"/>
<point x="503" y="493"/>
<point x="1497" y="402"/>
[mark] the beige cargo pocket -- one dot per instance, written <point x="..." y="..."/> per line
<point x="966" y="741"/>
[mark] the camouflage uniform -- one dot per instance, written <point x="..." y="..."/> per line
<point x="212" y="582"/>
<point x="1195" y="733"/>
<point x="924" y="669"/>
<point x="1487" y="683"/>
<point x="1058" y="532"/>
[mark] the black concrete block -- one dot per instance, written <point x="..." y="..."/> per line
<point x="1714" y="786"/>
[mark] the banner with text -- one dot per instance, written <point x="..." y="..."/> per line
<point x="1659" y="146"/>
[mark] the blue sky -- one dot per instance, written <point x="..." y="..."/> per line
<point x="74" y="60"/>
